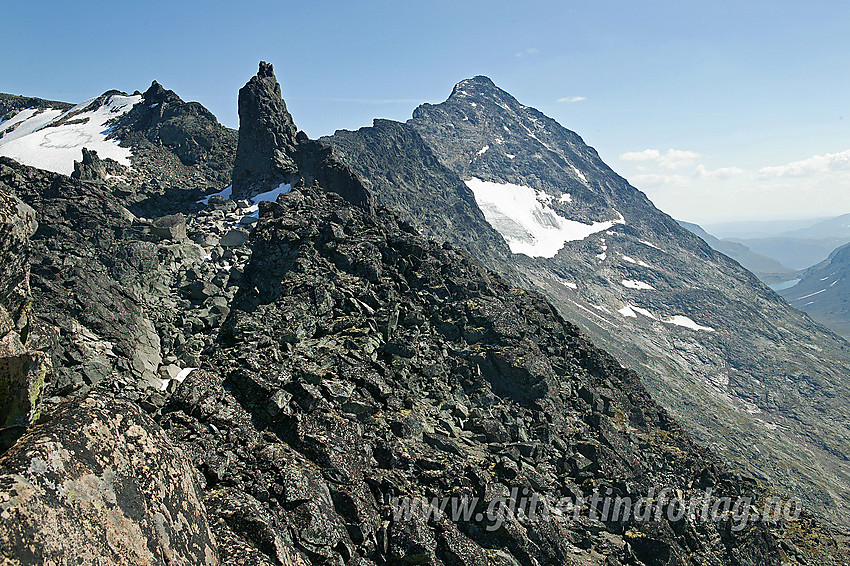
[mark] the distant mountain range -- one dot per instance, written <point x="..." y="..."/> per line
<point x="820" y="290"/>
<point x="797" y="244"/>
<point x="767" y="269"/>
<point x="824" y="292"/>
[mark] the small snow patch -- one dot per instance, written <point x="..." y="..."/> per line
<point x="226" y="192"/>
<point x="579" y="174"/>
<point x="184" y="373"/>
<point x="681" y="320"/>
<point x="627" y="312"/>
<point x="644" y="312"/>
<point x="810" y="295"/>
<point x="253" y="211"/>
<point x="632" y="284"/>
<point x="635" y="261"/>
<point x="483" y="150"/>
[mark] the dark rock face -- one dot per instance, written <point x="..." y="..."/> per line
<point x="272" y="152"/>
<point x="266" y="136"/>
<point x="404" y="174"/>
<point x="113" y="286"/>
<point x="733" y="385"/>
<point x="80" y="280"/>
<point x="91" y="168"/>
<point x="100" y="483"/>
<point x="23" y="366"/>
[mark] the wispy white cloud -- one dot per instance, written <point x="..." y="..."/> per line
<point x="671" y="159"/>
<point x="813" y="166"/>
<point x="645" y="155"/>
<point x="658" y="180"/>
<point x="572" y="99"/>
<point x="702" y="172"/>
<point x="528" y="51"/>
<point x="682" y="183"/>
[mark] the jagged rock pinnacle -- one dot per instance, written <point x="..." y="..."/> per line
<point x="91" y="168"/>
<point x="266" y="70"/>
<point x="266" y="136"/>
<point x="272" y="151"/>
<point x="157" y="94"/>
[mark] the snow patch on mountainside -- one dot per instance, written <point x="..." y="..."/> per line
<point x="631" y="311"/>
<point x="26" y="122"/>
<point x="253" y="211"/>
<point x="635" y="261"/>
<point x="225" y="193"/>
<point x="524" y="218"/>
<point x="633" y="284"/>
<point x="628" y="312"/>
<point x="680" y="320"/>
<point x="37" y="142"/>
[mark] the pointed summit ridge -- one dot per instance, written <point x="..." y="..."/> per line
<point x="475" y="84"/>
<point x="272" y="151"/>
<point x="157" y="94"/>
<point x="266" y="136"/>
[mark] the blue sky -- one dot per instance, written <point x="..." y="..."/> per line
<point x="753" y="98"/>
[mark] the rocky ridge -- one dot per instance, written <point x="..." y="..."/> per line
<point x="341" y="359"/>
<point x="822" y="292"/>
<point x="715" y="347"/>
<point x="11" y="104"/>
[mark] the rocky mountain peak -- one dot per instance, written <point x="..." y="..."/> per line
<point x="266" y="136"/>
<point x="649" y="291"/>
<point x="482" y="91"/>
<point x="475" y="85"/>
<point x="266" y="70"/>
<point x="157" y="94"/>
<point x="271" y="150"/>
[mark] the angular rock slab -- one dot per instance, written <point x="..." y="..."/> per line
<point x="101" y="484"/>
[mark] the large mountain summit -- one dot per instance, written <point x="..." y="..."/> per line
<point x="746" y="373"/>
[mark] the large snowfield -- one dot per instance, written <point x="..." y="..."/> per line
<point x="39" y="140"/>
<point x="525" y="220"/>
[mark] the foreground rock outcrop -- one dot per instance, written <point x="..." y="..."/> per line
<point x="362" y="362"/>
<point x="100" y="483"/>
<point x="23" y="362"/>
